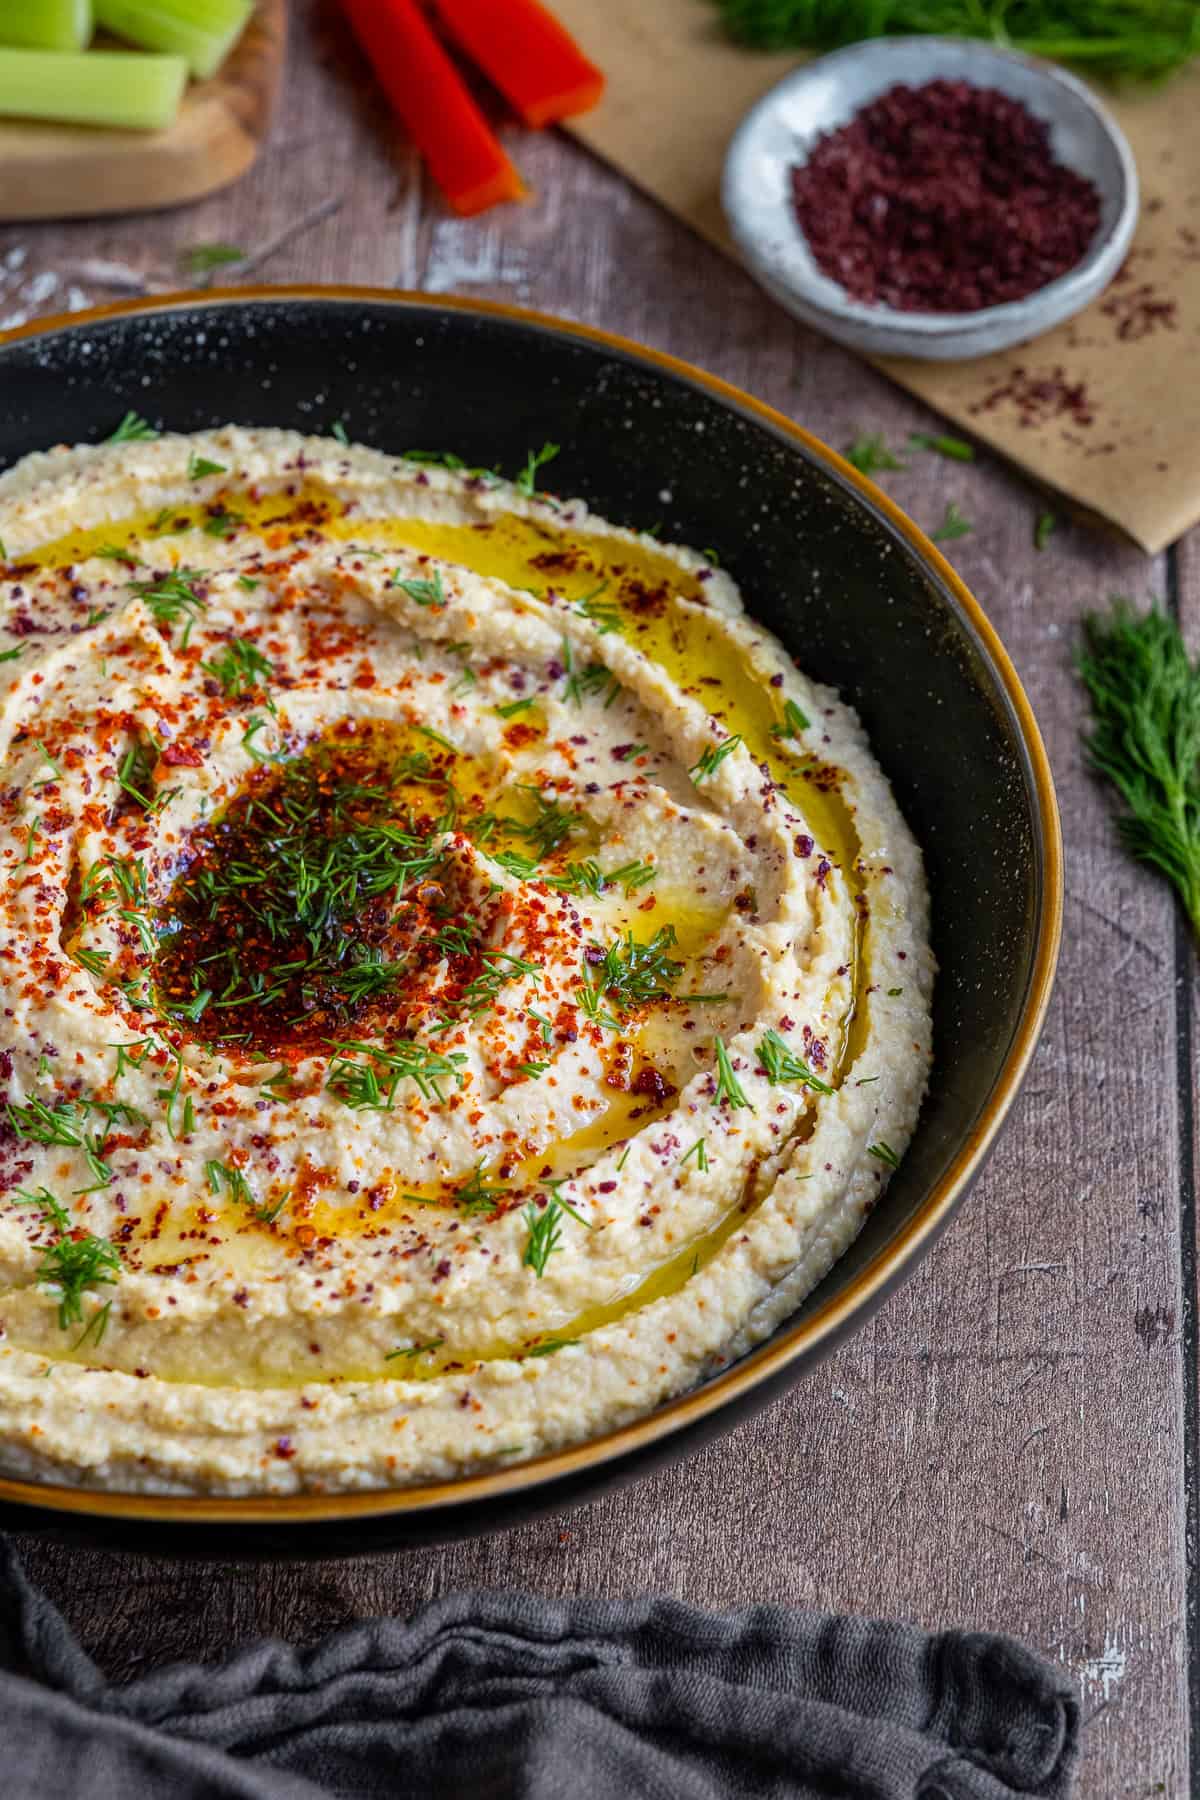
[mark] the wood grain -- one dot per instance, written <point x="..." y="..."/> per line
<point x="64" y="171"/>
<point x="1005" y="1444"/>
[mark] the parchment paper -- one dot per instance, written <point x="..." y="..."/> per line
<point x="1124" y="440"/>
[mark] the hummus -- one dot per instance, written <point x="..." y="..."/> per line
<point x="461" y="983"/>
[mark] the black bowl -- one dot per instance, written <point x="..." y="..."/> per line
<point x="824" y="559"/>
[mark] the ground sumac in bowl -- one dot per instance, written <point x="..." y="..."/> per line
<point x="942" y="198"/>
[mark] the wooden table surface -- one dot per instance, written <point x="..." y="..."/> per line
<point x="1010" y="1442"/>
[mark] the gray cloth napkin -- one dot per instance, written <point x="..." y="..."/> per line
<point x="506" y="1696"/>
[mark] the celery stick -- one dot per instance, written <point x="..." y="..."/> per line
<point x="46" y="24"/>
<point x="204" y="31"/>
<point x="92" y="87"/>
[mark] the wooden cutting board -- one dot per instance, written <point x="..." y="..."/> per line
<point x="73" y="171"/>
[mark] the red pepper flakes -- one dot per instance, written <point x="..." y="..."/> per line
<point x="943" y="198"/>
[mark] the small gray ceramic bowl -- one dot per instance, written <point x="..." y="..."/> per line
<point x="825" y="94"/>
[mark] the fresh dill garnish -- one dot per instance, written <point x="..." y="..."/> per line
<point x="955" y="449"/>
<point x="1130" y="37"/>
<point x="1145" y="737"/>
<point x="338" y="430"/>
<point x="700" y="1151"/>
<point x="550" y="826"/>
<point x="605" y="615"/>
<point x="868" y="454"/>
<point x="132" y="429"/>
<point x="545" y="1230"/>
<point x="135" y="773"/>
<point x="132" y="1055"/>
<point x="795" y="720"/>
<point x="631" y="973"/>
<point x="456" y="940"/>
<point x="589" y="878"/>
<point x="728" y="1086"/>
<point x="536" y="459"/>
<point x="116" y="553"/>
<point x="143" y="928"/>
<point x="424" y="592"/>
<point x="407" y="1350"/>
<point x="593" y="678"/>
<point x="201" y="259"/>
<point x="592" y="1006"/>
<point x="534" y="1070"/>
<point x="74" y="1262"/>
<point x="253" y="727"/>
<point x="31" y="838"/>
<point x="224" y="1176"/>
<point x="446" y="459"/>
<point x="56" y="775"/>
<point x="547" y="1029"/>
<point x="953" y="525"/>
<point x="514" y="864"/>
<point x="499" y="968"/>
<point x="93" y="1332"/>
<point x="170" y="1095"/>
<point x="624" y="1157"/>
<point x="222" y="522"/>
<point x="883" y="1152"/>
<point x="240" y="668"/>
<point x="368" y="1075"/>
<point x="550" y="1345"/>
<point x="712" y="758"/>
<point x="171" y="597"/>
<point x="199" y="466"/>
<point x="478" y="1195"/>
<point x="781" y="1064"/>
<point x="11" y="655"/>
<point x="67" y="1124"/>
<point x="514" y="708"/>
<point x="1046" y="524"/>
<point x="94" y="961"/>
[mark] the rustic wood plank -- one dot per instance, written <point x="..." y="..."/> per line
<point x="1003" y="1446"/>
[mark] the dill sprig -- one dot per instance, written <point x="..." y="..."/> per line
<point x="869" y="453"/>
<point x="240" y="668"/>
<point x="535" y="460"/>
<point x="423" y="591"/>
<point x="545" y="1230"/>
<point x="712" y="758"/>
<point x="75" y="1261"/>
<point x="1145" y="737"/>
<point x="224" y="1176"/>
<point x="1129" y="37"/>
<point x="132" y="429"/>
<point x="171" y="597"/>
<point x="366" y="1076"/>
<point x="781" y="1064"/>
<point x="728" y="1086"/>
<point x="476" y="1194"/>
<point x="632" y="973"/>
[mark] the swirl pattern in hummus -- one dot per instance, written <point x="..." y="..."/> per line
<point x="461" y="983"/>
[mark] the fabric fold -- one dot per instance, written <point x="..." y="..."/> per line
<point x="510" y="1696"/>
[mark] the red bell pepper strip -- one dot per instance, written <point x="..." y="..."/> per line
<point x="526" y="53"/>
<point x="432" y="101"/>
